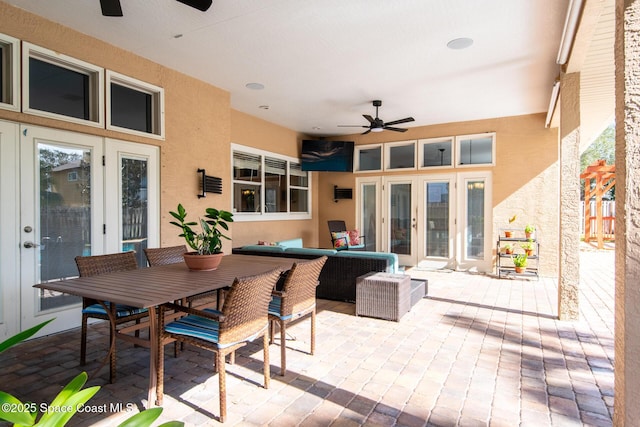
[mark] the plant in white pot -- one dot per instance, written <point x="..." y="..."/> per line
<point x="206" y="243"/>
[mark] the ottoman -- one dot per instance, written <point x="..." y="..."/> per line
<point x="383" y="295"/>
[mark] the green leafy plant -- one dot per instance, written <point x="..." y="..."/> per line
<point x="528" y="245"/>
<point x="520" y="260"/>
<point x="208" y="240"/>
<point x="508" y="248"/>
<point x="529" y="228"/>
<point x="65" y="404"/>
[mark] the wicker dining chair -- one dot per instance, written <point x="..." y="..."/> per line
<point x="173" y="255"/>
<point x="243" y="318"/>
<point x="102" y="264"/>
<point x="296" y="299"/>
<point x="166" y="255"/>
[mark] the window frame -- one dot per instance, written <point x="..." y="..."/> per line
<point x="96" y="83"/>
<point x="356" y="157"/>
<point x="387" y="155"/>
<point x="157" y="104"/>
<point x="429" y="141"/>
<point x="10" y="64"/>
<point x="461" y="138"/>
<point x="262" y="214"/>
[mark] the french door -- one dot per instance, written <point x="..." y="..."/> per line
<point x="432" y="221"/>
<point x="54" y="196"/>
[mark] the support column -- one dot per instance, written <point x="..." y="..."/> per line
<point x="627" y="305"/>
<point x="569" y="252"/>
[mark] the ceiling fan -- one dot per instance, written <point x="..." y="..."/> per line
<point x="113" y="7"/>
<point x="377" y="125"/>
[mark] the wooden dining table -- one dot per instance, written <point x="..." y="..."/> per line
<point x="151" y="287"/>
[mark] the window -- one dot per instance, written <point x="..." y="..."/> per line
<point x="72" y="176"/>
<point x="435" y="152"/>
<point x="268" y="186"/>
<point x="61" y="87"/>
<point x="476" y="149"/>
<point x="9" y="76"/>
<point x="368" y="158"/>
<point x="134" y="106"/>
<point x="400" y="155"/>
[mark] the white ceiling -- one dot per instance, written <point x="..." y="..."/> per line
<point x="322" y="63"/>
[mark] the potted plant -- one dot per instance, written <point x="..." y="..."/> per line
<point x="509" y="233"/>
<point x="508" y="248"/>
<point x="206" y="243"/>
<point x="528" y="247"/>
<point x="520" y="262"/>
<point x="529" y="229"/>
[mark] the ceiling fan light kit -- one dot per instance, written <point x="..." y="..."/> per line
<point x="378" y="125"/>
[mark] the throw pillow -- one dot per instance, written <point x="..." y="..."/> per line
<point x="354" y="237"/>
<point x="340" y="239"/>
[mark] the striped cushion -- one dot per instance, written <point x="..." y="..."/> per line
<point x="274" y="308"/>
<point x="121" y="310"/>
<point x="201" y="328"/>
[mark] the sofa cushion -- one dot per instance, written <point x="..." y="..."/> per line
<point x="311" y="251"/>
<point x="392" y="259"/>
<point x="291" y="243"/>
<point x="264" y="248"/>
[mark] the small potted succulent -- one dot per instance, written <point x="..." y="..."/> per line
<point x="529" y="229"/>
<point x="528" y="247"/>
<point x="206" y="243"/>
<point x="520" y="262"/>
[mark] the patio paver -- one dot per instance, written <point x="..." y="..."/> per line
<point x="478" y="351"/>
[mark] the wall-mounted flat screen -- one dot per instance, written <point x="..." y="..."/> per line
<point x="327" y="156"/>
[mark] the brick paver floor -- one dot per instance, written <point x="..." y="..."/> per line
<point x="477" y="351"/>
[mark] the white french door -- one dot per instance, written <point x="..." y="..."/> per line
<point x="61" y="217"/>
<point x="433" y="221"/>
<point x="56" y="206"/>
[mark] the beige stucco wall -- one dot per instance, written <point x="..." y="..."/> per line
<point x="525" y="177"/>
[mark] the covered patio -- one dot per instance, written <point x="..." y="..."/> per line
<point x="476" y="351"/>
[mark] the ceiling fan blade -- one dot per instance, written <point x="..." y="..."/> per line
<point x="394" y="129"/>
<point x="368" y="117"/>
<point x="111" y="7"/>
<point x="202" y="5"/>
<point x="397" y="122"/>
<point x="366" y="132"/>
<point x="352" y="126"/>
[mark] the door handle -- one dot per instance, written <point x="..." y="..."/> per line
<point x="28" y="244"/>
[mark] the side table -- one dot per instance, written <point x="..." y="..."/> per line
<point x="383" y="295"/>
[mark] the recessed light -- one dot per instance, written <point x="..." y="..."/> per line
<point x="316" y="128"/>
<point x="264" y="107"/>
<point x="254" y="86"/>
<point x="461" y="43"/>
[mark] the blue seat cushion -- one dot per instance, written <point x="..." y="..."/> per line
<point x="121" y="310"/>
<point x="201" y="328"/>
<point x="274" y="308"/>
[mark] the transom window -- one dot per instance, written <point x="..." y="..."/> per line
<point x="473" y="150"/>
<point x="134" y="106"/>
<point x="61" y="87"/>
<point x="269" y="186"/>
<point x="435" y="152"/>
<point x="9" y="76"/>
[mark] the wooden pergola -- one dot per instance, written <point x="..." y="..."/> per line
<point x="605" y="178"/>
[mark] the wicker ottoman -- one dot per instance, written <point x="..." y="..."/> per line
<point x="383" y="295"/>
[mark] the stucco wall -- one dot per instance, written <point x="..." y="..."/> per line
<point x="525" y="177"/>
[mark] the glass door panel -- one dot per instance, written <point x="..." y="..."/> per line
<point x="401" y="214"/>
<point x="474" y="216"/>
<point x="369" y="213"/>
<point x="60" y="218"/>
<point x="437" y="219"/>
<point x="474" y="230"/>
